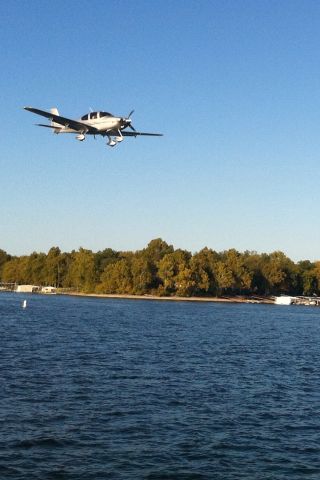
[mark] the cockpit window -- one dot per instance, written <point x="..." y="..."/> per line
<point x="94" y="115"/>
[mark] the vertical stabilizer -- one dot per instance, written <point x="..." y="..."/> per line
<point x="54" y="111"/>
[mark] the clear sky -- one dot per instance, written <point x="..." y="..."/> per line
<point x="234" y="85"/>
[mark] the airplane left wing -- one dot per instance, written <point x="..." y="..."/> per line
<point x="63" y="121"/>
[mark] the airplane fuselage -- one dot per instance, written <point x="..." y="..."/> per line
<point x="99" y="120"/>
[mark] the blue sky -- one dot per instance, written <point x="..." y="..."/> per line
<point x="233" y="85"/>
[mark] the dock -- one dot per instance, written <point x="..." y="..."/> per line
<point x="312" y="301"/>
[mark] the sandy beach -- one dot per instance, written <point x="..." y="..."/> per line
<point x="235" y="299"/>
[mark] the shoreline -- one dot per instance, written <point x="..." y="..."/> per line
<point x="235" y="299"/>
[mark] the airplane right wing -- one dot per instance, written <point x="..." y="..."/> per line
<point x="134" y="134"/>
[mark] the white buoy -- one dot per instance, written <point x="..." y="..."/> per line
<point x="24" y="304"/>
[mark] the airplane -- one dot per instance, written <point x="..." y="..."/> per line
<point x="93" y="123"/>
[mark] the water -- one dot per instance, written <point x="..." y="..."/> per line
<point x="118" y="389"/>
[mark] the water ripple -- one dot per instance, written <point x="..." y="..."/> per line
<point x="110" y="389"/>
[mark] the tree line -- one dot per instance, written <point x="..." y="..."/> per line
<point x="159" y="269"/>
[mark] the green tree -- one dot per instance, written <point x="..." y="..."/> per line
<point x="159" y="268"/>
<point x="11" y="271"/>
<point x="223" y="276"/>
<point x="141" y="272"/>
<point x="174" y="273"/>
<point x="253" y="263"/>
<point x="185" y="282"/>
<point x="35" y="269"/>
<point x="203" y="266"/>
<point x="157" y="249"/>
<point x="280" y="273"/>
<point x="116" y="278"/>
<point x="153" y="254"/>
<point x="316" y="274"/>
<point x="104" y="258"/>
<point x="235" y="269"/>
<point x="52" y="267"/>
<point x="307" y="278"/>
<point x="4" y="257"/>
<point x="81" y="273"/>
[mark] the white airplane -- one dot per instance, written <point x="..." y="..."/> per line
<point x="93" y="123"/>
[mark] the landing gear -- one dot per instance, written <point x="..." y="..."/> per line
<point x="80" y="137"/>
<point x="112" y="141"/>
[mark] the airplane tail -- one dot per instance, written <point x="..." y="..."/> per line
<point x="54" y="124"/>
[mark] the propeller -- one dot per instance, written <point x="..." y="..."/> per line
<point x="126" y="122"/>
<point x="129" y="124"/>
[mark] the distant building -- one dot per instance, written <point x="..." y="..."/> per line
<point x="27" y="289"/>
<point x="49" y="290"/>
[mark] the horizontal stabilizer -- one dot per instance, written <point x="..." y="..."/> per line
<point x="48" y="126"/>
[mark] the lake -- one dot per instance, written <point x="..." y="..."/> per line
<point x="95" y="388"/>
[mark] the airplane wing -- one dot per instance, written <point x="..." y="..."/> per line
<point x="63" y="121"/>
<point x="134" y="134"/>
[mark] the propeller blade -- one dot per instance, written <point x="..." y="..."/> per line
<point x="132" y="128"/>
<point x="132" y="111"/>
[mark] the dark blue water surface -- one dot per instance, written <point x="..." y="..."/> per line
<point x="131" y="389"/>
